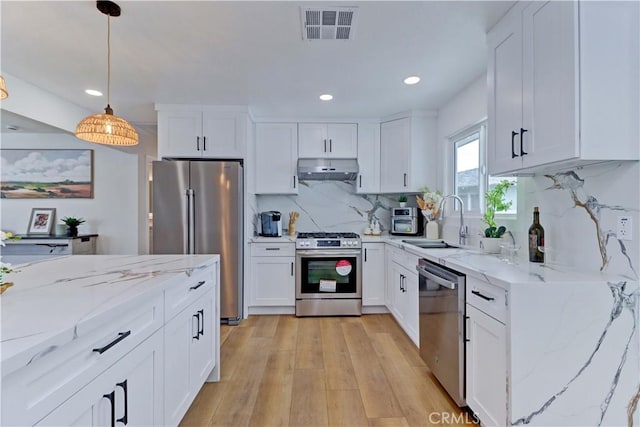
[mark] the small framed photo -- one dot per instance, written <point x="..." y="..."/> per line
<point x="42" y="220"/>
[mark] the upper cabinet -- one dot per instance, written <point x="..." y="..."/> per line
<point x="408" y="153"/>
<point x="563" y="85"/>
<point x="276" y="158"/>
<point x="333" y="140"/>
<point x="193" y="131"/>
<point x="368" y="181"/>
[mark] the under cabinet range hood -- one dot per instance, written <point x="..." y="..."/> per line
<point x="327" y="169"/>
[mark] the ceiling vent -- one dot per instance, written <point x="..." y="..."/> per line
<point x="334" y="23"/>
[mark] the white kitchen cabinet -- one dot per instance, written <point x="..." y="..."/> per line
<point x="368" y="181"/>
<point x="401" y="292"/>
<point x="129" y="392"/>
<point x="408" y="153"/>
<point x="373" y="274"/>
<point x="486" y="360"/>
<point x="272" y="275"/>
<point x="332" y="140"/>
<point x="197" y="131"/>
<point x="276" y="158"/>
<point x="563" y="78"/>
<point x="189" y="352"/>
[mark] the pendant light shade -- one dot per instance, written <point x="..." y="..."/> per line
<point x="3" y="89"/>
<point x="107" y="128"/>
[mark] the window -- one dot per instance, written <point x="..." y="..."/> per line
<point x="470" y="180"/>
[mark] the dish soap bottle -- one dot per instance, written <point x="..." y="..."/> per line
<point x="536" y="238"/>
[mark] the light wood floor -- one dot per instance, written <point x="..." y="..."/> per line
<point x="321" y="371"/>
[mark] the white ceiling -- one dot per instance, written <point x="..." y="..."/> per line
<point x="248" y="53"/>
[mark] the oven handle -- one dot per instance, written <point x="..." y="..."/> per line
<point x="439" y="280"/>
<point x="333" y="253"/>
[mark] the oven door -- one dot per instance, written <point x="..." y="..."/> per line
<point x="328" y="274"/>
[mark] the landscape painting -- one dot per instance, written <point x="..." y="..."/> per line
<point x="46" y="174"/>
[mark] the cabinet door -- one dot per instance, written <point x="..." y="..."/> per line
<point x="486" y="367"/>
<point x="343" y="140"/>
<point x="504" y="80"/>
<point x="202" y="358"/>
<point x="180" y="134"/>
<point x="273" y="281"/>
<point x="131" y="390"/>
<point x="373" y="274"/>
<point x="312" y="140"/>
<point x="411" y="321"/>
<point x="394" y="155"/>
<point x="397" y="297"/>
<point x="368" y="158"/>
<point x="222" y="135"/>
<point x="276" y="158"/>
<point x="549" y="82"/>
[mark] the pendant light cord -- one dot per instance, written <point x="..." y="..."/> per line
<point x="108" y="59"/>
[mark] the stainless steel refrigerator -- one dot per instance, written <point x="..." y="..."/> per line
<point x="198" y="209"/>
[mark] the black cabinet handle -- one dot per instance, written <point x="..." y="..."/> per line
<point x="200" y="283"/>
<point x="121" y="336"/>
<point x="330" y="146"/>
<point x="294" y="181"/>
<point x="112" y="397"/>
<point x="198" y="143"/>
<point x="405" y="179"/>
<point x="325" y="145"/>
<point x="522" y="152"/>
<point x="201" y="322"/>
<point x="360" y="181"/>
<point x="197" y="334"/>
<point x="204" y="143"/>
<point x="513" y="152"/>
<point x="484" y="297"/>
<point x="125" y="418"/>
<point x="365" y="254"/>
<point x="273" y="249"/>
<point x="466" y="319"/>
<point x="291" y="269"/>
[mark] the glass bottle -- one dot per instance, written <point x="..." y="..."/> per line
<point x="536" y="238"/>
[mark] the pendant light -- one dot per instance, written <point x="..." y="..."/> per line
<point x="107" y="128"/>
<point x="3" y="88"/>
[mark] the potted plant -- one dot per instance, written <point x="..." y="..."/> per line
<point x="495" y="202"/>
<point x="72" y="225"/>
<point x="402" y="199"/>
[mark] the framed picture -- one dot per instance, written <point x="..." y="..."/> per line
<point x="46" y="174"/>
<point x="41" y="221"/>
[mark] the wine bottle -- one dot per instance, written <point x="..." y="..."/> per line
<point x="536" y="238"/>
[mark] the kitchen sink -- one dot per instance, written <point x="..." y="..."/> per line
<point x="429" y="244"/>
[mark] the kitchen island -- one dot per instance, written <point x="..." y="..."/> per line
<point x="89" y="338"/>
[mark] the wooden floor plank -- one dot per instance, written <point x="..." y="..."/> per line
<point x="388" y="422"/>
<point x="409" y="349"/>
<point x="273" y="402"/>
<point x="309" y="399"/>
<point x="286" y="333"/>
<point x="266" y="327"/>
<point x="233" y="346"/>
<point x="345" y="408"/>
<point x="337" y="360"/>
<point x="309" y="344"/>
<point x="204" y="406"/>
<point x="378" y="401"/>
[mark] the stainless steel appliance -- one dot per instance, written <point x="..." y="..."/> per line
<point x="198" y="209"/>
<point x="441" y="296"/>
<point x="271" y="224"/>
<point x="327" y="169"/>
<point x="406" y="221"/>
<point x="328" y="274"/>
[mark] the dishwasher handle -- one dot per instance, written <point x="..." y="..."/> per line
<point x="439" y="280"/>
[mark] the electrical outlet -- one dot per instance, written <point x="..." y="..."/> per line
<point x="625" y="224"/>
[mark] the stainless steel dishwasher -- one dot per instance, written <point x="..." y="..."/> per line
<point x="442" y="337"/>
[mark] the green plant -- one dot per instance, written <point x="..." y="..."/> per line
<point x="494" y="199"/>
<point x="402" y="198"/>
<point x="72" y="221"/>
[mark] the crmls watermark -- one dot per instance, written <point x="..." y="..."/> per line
<point x="443" y="418"/>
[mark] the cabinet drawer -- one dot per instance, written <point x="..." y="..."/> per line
<point x="405" y="259"/>
<point x="273" y="249"/>
<point x="184" y="290"/>
<point x="83" y="246"/>
<point x="57" y="372"/>
<point x="488" y="298"/>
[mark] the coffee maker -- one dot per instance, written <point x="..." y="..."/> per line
<point x="271" y="224"/>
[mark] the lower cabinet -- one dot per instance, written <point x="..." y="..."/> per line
<point x="128" y="393"/>
<point x="402" y="291"/>
<point x="373" y="274"/>
<point x="189" y="356"/>
<point x="272" y="275"/>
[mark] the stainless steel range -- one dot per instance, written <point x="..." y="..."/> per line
<point x="328" y="274"/>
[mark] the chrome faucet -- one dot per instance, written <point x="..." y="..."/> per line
<point x="463" y="232"/>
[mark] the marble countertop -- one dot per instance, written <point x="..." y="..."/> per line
<point x="283" y="239"/>
<point x="54" y="298"/>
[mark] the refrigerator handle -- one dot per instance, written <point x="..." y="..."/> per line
<point x="191" y="221"/>
<point x="185" y="225"/>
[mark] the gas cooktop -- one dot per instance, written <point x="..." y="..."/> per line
<point x="331" y="235"/>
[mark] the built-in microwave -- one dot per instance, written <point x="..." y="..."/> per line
<point x="406" y="221"/>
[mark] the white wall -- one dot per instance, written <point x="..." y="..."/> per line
<point x="112" y="213"/>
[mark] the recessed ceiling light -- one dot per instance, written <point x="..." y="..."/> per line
<point x="93" y="92"/>
<point x="326" y="97"/>
<point x="411" y="80"/>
